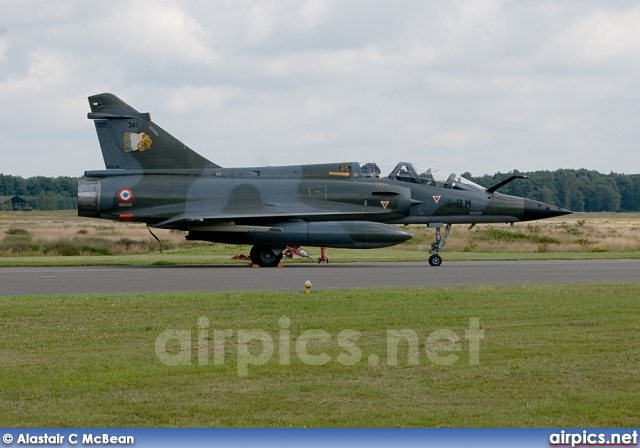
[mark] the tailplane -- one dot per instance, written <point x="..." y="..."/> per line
<point x="130" y="140"/>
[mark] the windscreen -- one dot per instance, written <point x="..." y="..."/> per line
<point x="418" y="174"/>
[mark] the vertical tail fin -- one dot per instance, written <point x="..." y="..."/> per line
<point x="130" y="140"/>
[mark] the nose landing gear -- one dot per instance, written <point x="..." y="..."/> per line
<point x="435" y="259"/>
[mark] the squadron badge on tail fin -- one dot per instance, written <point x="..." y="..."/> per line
<point x="136" y="142"/>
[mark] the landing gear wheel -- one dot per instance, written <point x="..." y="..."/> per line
<point x="264" y="257"/>
<point x="435" y="260"/>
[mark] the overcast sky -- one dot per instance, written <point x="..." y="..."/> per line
<point x="479" y="86"/>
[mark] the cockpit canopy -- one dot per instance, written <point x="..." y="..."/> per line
<point x="420" y="174"/>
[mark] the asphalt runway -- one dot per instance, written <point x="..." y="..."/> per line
<point x="78" y="280"/>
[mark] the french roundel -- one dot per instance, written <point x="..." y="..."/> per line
<point x="125" y="195"/>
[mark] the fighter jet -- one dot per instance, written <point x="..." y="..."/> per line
<point x="153" y="178"/>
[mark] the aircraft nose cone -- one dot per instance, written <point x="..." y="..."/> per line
<point x="539" y="210"/>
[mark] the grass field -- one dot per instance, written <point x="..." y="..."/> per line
<point x="562" y="355"/>
<point x="62" y="238"/>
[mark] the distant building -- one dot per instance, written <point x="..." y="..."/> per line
<point x="14" y="203"/>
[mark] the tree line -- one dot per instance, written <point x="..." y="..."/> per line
<point x="578" y="190"/>
<point x="41" y="193"/>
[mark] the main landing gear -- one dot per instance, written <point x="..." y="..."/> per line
<point x="435" y="259"/>
<point x="270" y="257"/>
<point x="265" y="256"/>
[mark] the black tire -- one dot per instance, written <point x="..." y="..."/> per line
<point x="264" y="257"/>
<point x="435" y="260"/>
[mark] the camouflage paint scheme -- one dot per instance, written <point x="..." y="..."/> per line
<point x="152" y="177"/>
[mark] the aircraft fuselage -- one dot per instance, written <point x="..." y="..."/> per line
<point x="329" y="205"/>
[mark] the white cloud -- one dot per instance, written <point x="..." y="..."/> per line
<point x="320" y="107"/>
<point x="311" y="14"/>
<point x="261" y="21"/>
<point x="600" y="38"/>
<point x="159" y="29"/>
<point x="189" y="99"/>
<point x="351" y="62"/>
<point x="266" y="18"/>
<point x="4" y="46"/>
<point x="46" y="71"/>
<point x="452" y="139"/>
<point x="318" y="63"/>
<point x="473" y="28"/>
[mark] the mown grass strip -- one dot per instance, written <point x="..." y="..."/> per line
<point x="217" y="256"/>
<point x="561" y="355"/>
